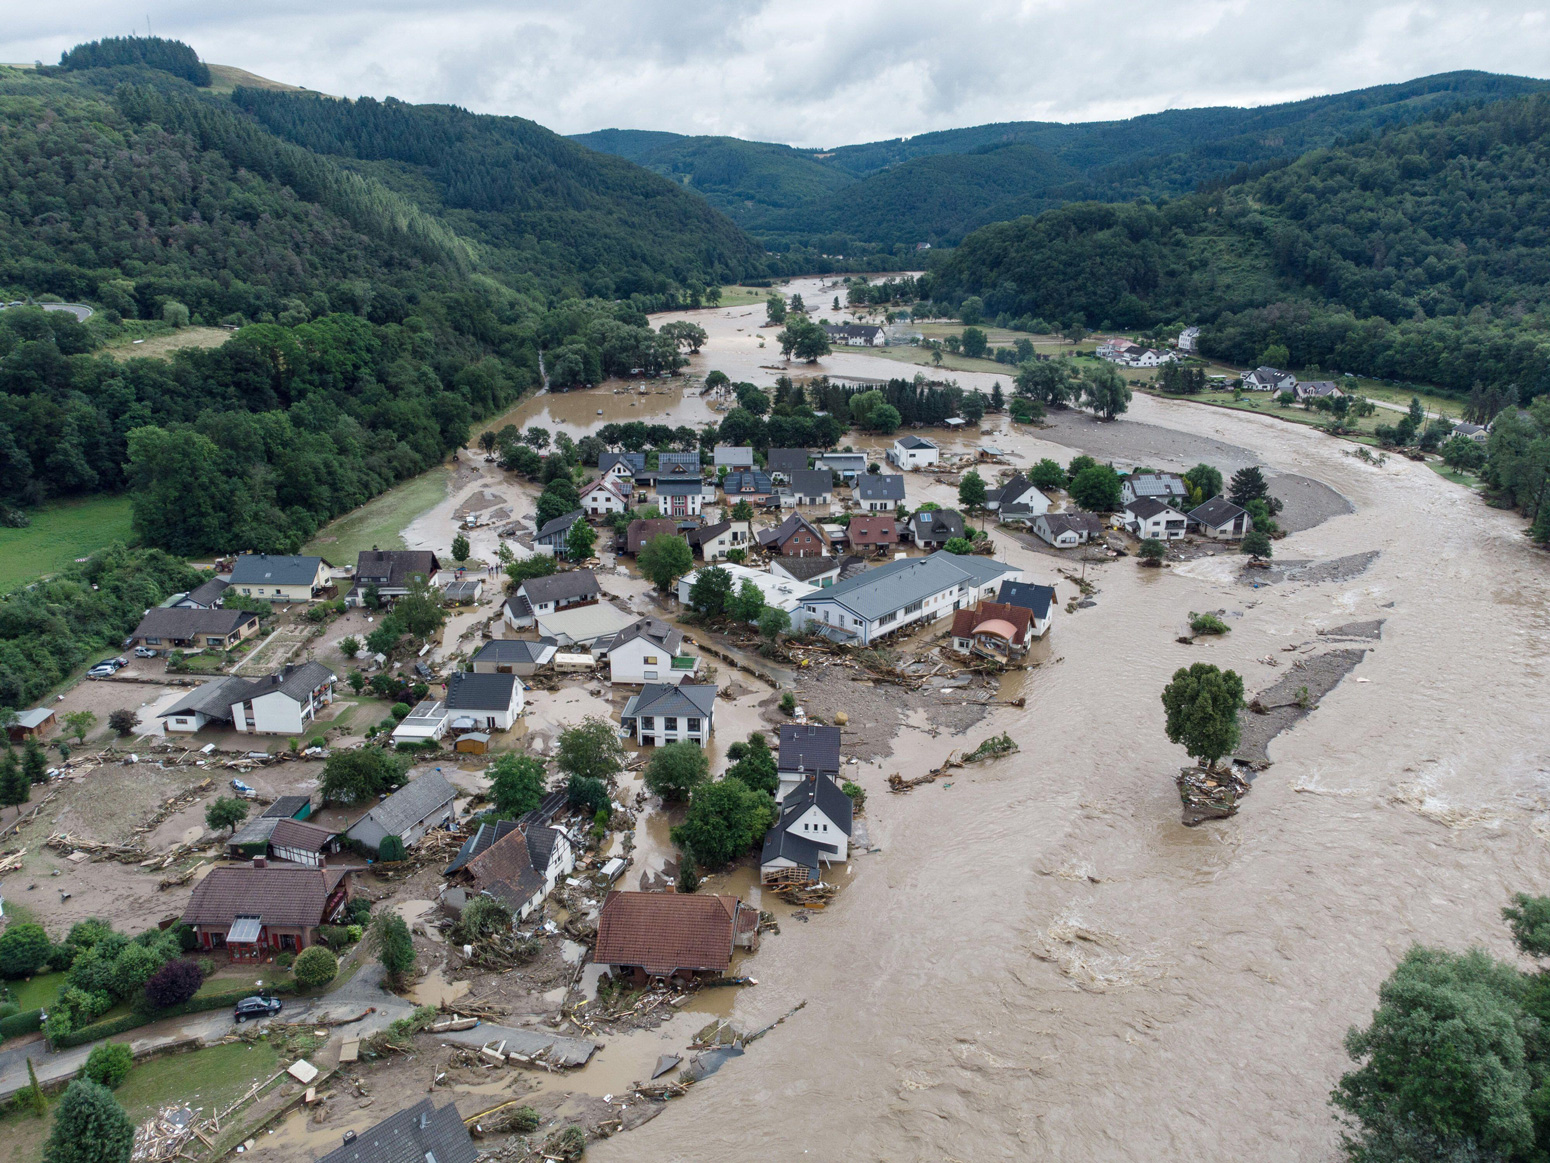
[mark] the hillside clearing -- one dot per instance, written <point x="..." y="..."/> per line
<point x="61" y="531"/>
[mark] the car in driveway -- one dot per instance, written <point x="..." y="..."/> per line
<point x="144" y="652"/>
<point x="256" y="1007"/>
<point x="102" y="670"/>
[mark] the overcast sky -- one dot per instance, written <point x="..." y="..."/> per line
<point x="818" y="72"/>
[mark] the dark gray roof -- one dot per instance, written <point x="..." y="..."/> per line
<point x="703" y="533"/>
<point x="213" y="699"/>
<point x="670" y="461"/>
<point x="806" y="568"/>
<point x="746" y="481"/>
<point x="812" y="482"/>
<point x="1013" y="489"/>
<point x="559" y="525"/>
<point x="518" y="650"/>
<point x="417" y="800"/>
<point x="189" y="621"/>
<point x="880" y="486"/>
<point x="393" y="568"/>
<point x="1075" y="519"/>
<point x="634" y="461"/>
<point x="416" y="1134"/>
<point x="660" y="698"/>
<point x="1157" y="484"/>
<point x="1217" y="511"/>
<point x="809" y="747"/>
<point x="479" y="692"/>
<point x="287" y="806"/>
<point x="849" y="459"/>
<point x="823" y="792"/>
<point x="915" y="442"/>
<point x="209" y="593"/>
<point x="567" y="586"/>
<point x="785" y="460"/>
<point x="274" y="570"/>
<point x="296" y="681"/>
<point x="1147" y="507"/>
<point x="483" y="837"/>
<point x="938" y="525"/>
<point x="679" y="486"/>
<point x="1028" y="595"/>
<point x="793" y="846"/>
<point x="652" y="629"/>
<point x="788" y="528"/>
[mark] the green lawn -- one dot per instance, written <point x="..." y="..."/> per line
<point x="40" y="991"/>
<point x="1468" y="480"/>
<point x="742" y="296"/>
<point x="61" y="531"/>
<point x="210" y="1078"/>
<point x="379" y="521"/>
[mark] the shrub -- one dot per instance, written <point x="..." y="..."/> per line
<point x="355" y="932"/>
<point x="358" y="910"/>
<point x="109" y="1064"/>
<point x="24" y="949"/>
<point x="173" y="984"/>
<point x="334" y="936"/>
<point x="390" y="850"/>
<point x="123" y="722"/>
<point x="89" y="1125"/>
<point x="285" y="960"/>
<point x="856" y="794"/>
<point x="26" y="1022"/>
<point x="788" y="703"/>
<point x="1207" y="624"/>
<point x="400" y="710"/>
<point x="585" y="791"/>
<point x="482" y="917"/>
<point x="315" y="967"/>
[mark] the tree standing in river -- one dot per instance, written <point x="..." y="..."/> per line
<point x="1202" y="704"/>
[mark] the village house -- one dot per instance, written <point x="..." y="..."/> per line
<point x="624" y="467"/>
<point x="515" y="862"/>
<point x="747" y="485"/>
<point x="871" y="532"/>
<point x="1269" y="379"/>
<point x="582" y="626"/>
<point x="544" y="595"/>
<point x="902" y="593"/>
<point x="734" y="457"/>
<point x="1479" y="433"/>
<point x="780" y="463"/>
<point x="417" y="1134"/>
<point x="491" y="701"/>
<point x="849" y="465"/>
<point x="641" y="530"/>
<point x="934" y="529"/>
<point x="254" y="911"/>
<point x="664" y="713"/>
<point x="33" y="724"/>
<point x="680" y="496"/>
<point x="552" y="535"/>
<point x="422" y="804"/>
<point x="715" y="542"/>
<point x="389" y="572"/>
<point x="1165" y="486"/>
<point x="1189" y="340"/>
<point x="912" y="452"/>
<point x="1220" y="520"/>
<point x="879" y="492"/>
<point x="810" y="571"/>
<point x="995" y="630"/>
<point x="805" y="749"/>
<point x="1151" y="517"/>
<point x="679" y="464"/>
<point x="811" y="486"/>
<point x="1020" y="494"/>
<point x="796" y="536"/>
<point x="191" y="628"/>
<point x="1067" y="530"/>
<point x="277" y="704"/>
<point x="644" y="936"/>
<point x="813" y="832"/>
<point x="855" y="334"/>
<point x="1038" y="600"/>
<point x="280" y="578"/>
<point x="278" y="838"/>
<point x="427" y="721"/>
<point x="648" y="651"/>
<point x="201" y="597"/>
<point x="518" y="656"/>
<point x="604" y="496"/>
<point x="1316" y="390"/>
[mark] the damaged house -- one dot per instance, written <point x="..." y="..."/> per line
<point x="512" y="861"/>
<point x="813" y="832"/>
<point x="661" y="935"/>
<point x="992" y="630"/>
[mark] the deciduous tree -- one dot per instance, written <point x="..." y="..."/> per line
<point x="675" y="770"/>
<point x="590" y="750"/>
<point x="226" y="812"/>
<point x="516" y="784"/>
<point x="726" y="818"/>
<point x="664" y="559"/>
<point x="1202" y="704"/>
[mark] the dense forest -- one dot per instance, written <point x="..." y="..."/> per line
<point x="881" y="198"/>
<point x="1418" y="253"/>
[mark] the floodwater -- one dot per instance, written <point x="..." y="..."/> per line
<point x="1041" y="962"/>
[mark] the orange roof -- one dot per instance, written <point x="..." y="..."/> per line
<point x="663" y="932"/>
<point x="998" y="618"/>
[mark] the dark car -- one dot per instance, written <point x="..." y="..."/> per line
<point x="257" y="1007"/>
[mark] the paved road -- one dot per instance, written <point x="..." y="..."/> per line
<point x="80" y="310"/>
<point x="362" y="990"/>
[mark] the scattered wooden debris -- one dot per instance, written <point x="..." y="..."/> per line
<point x="164" y="1135"/>
<point x="1209" y="795"/>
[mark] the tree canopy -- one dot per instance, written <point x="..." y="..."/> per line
<point x="1202" y="704"/>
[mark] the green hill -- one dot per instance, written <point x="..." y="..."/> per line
<point x="1418" y="253"/>
<point x="936" y="187"/>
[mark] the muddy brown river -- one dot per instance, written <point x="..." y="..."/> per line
<point x="1042" y="963"/>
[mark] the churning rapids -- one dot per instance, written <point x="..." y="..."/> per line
<point x="1042" y="963"/>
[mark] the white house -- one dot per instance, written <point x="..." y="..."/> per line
<point x="483" y="702"/>
<point x="538" y="596"/>
<point x="277" y="704"/>
<point x="1018" y="491"/>
<point x="810" y="571"/>
<point x="813" y="832"/>
<point x="848" y="464"/>
<point x="911" y="452"/>
<point x="714" y="542"/>
<point x="1221" y="520"/>
<point x="856" y="334"/>
<point x="777" y="590"/>
<point x="648" y="651"/>
<point x="805" y="749"/>
<point x="680" y="496"/>
<point x="414" y="809"/>
<point x="514" y="656"/>
<point x="1150" y="517"/>
<point x="735" y="457"/>
<point x="622" y="466"/>
<point x="1066" y="530"/>
<point x="904" y="592"/>
<point x="280" y="577"/>
<point x="1269" y="379"/>
<point x="517" y="862"/>
<point x="1476" y="432"/>
<point x="1165" y="486"/>
<point x="1189" y="340"/>
<point x="811" y="486"/>
<point x="663" y="713"/>
<point x="603" y="496"/>
<point x="1316" y="390"/>
<point x="879" y="492"/>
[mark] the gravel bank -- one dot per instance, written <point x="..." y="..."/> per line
<point x="1338" y="569"/>
<point x="879" y="711"/>
<point x="1283" y="705"/>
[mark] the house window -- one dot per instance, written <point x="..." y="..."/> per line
<point x="648" y="723"/>
<point x="694" y="726"/>
<point x="651" y="660"/>
<point x="670" y="723"/>
<point x="913" y="608"/>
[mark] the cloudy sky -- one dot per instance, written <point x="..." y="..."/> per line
<point x="818" y="72"/>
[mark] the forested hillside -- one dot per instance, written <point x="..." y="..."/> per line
<point x="369" y="329"/>
<point x="937" y="187"/>
<point x="1419" y="253"/>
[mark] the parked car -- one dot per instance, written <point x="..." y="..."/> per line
<point x="257" y="1007"/>
<point x="144" y="652"/>
<point x="115" y="663"/>
<point x="246" y="791"/>
<point x="102" y="671"/>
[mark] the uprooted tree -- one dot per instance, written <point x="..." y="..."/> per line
<point x="1202" y="704"/>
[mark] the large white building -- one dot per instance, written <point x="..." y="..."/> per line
<point x="277" y="704"/>
<point x="904" y="592"/>
<point x="914" y="452"/>
<point x="777" y="590"/>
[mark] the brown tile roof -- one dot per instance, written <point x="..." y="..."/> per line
<point x="281" y="896"/>
<point x="643" y="529"/>
<point x="1020" y="617"/>
<point x="872" y="529"/>
<point x="297" y="834"/>
<point x="663" y="931"/>
<point x="505" y="870"/>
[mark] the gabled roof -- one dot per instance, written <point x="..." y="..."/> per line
<point x="685" y="486"/>
<point x="937" y="525"/>
<point x="746" y="481"/>
<point x="732" y="454"/>
<point x="559" y="525"/>
<point x="1145" y="508"/>
<point x="998" y="618"/>
<point x="1075" y="519"/>
<point x="279" y="895"/>
<point x="687" y="463"/>
<point x="287" y="806"/>
<point x="267" y="569"/>
<point x="1030" y="595"/>
<point x="659" y="698"/>
<point x="822" y="792"/>
<point x="652" y="630"/>
<point x="467" y="691"/>
<point x="880" y="486"/>
<point x="788" y="529"/>
<point x="209" y="593"/>
<point x="213" y="699"/>
<point x="569" y="585"/>
<point x="809" y="747"/>
<point x="844" y="458"/>
<point x="1216" y="512"/>
<point x="909" y="441"/>
<point x="805" y="569"/>
<point x="634" y="461"/>
<point x="785" y="460"/>
<point x="295" y="681"/>
<point x="781" y="843"/>
<point x="1017" y="487"/>
<point x="392" y="568"/>
<point x="872" y="529"/>
<point x="189" y="621"/>
<point x="812" y="482"/>
<point x="417" y="800"/>
<point x="516" y="651"/>
<point x="483" y="837"/>
<point x="416" y="1134"/>
<point x="1157" y="484"/>
<point x="703" y="533"/>
<point x="666" y="931"/>
<point x="607" y="484"/>
<point x="300" y="834"/>
<point x="643" y="529"/>
<point x="511" y="867"/>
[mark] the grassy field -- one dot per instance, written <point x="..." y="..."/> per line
<point x="40" y="991"/>
<point x="164" y="342"/>
<point x="209" y="1078"/>
<point x="379" y="521"/>
<point x="742" y="296"/>
<point x="61" y="531"/>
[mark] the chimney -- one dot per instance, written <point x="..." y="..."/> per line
<point x="349" y="1137"/>
<point x="260" y="862"/>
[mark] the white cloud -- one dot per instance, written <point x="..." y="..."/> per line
<point x="817" y="72"/>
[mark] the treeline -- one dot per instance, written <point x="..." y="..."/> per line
<point x="152" y="52"/>
<point x="1415" y="254"/>
<point x="52" y="628"/>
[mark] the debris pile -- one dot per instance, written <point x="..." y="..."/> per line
<point x="1209" y="794"/>
<point x="993" y="748"/>
<point x="163" y="1135"/>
